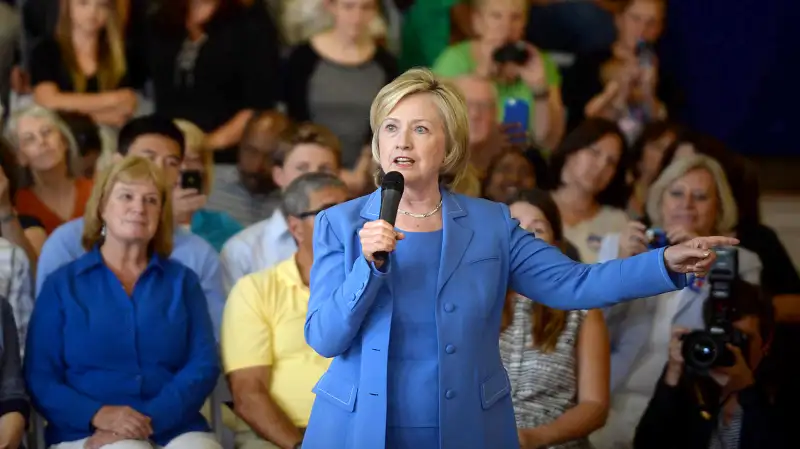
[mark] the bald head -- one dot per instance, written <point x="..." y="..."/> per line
<point x="481" y="97"/>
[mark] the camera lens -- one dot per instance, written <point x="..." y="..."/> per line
<point x="700" y="350"/>
<point x="703" y="352"/>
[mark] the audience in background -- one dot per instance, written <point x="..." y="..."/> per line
<point x="270" y="368"/>
<point x="213" y="226"/>
<point x="509" y="174"/>
<point x="24" y="231"/>
<point x="188" y="41"/>
<point x="557" y="361"/>
<point x="738" y="406"/>
<point x="589" y="187"/>
<point x="158" y="139"/>
<point x="247" y="191"/>
<point x="121" y="346"/>
<point x="14" y="407"/>
<point x="691" y="198"/>
<point x="88" y="139"/>
<point x="536" y="81"/>
<point x="16" y="286"/>
<point x="307" y="149"/>
<point x="645" y="164"/>
<point x="429" y="27"/>
<point x="47" y="152"/>
<point x="332" y="78"/>
<point x="83" y="67"/>
<point x="301" y="19"/>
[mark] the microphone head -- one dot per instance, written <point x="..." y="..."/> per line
<point x="393" y="181"/>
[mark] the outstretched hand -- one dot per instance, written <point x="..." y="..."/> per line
<point x="696" y="255"/>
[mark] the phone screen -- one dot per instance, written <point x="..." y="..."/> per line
<point x="517" y="112"/>
<point x="191" y="179"/>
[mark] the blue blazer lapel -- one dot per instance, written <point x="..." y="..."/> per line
<point x="372" y="208"/>
<point x="457" y="238"/>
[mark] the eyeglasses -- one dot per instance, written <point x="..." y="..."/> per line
<point x="313" y="213"/>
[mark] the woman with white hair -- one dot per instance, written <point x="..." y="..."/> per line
<point x="414" y="336"/>
<point x="690" y="199"/>
<point x="47" y="152"/>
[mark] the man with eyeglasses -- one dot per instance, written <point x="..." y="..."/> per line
<point x="270" y="368"/>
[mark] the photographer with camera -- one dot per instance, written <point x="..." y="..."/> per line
<point x="719" y="395"/>
<point x="690" y="198"/>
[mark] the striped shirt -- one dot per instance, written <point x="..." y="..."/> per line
<point x="543" y="385"/>
<point x="726" y="436"/>
<point x="16" y="285"/>
<point x="229" y="195"/>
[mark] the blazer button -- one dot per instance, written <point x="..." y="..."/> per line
<point x="449" y="349"/>
<point x="449" y="394"/>
<point x="449" y="307"/>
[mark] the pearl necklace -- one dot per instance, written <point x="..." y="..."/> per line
<point x="426" y="215"/>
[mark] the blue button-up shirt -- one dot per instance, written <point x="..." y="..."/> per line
<point x="64" y="246"/>
<point x="90" y="344"/>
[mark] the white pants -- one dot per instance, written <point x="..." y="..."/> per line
<point x="189" y="440"/>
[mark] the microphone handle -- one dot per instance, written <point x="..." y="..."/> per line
<point x="390" y="201"/>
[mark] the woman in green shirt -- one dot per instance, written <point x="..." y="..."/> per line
<point x="537" y="81"/>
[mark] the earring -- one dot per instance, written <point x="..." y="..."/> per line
<point x="103" y="230"/>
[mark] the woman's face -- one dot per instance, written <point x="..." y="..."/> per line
<point x="499" y="22"/>
<point x="653" y="153"/>
<point x="132" y="211"/>
<point x="512" y="173"/>
<point x="592" y="168"/>
<point x="353" y="17"/>
<point x="412" y="140"/>
<point x="89" y="16"/>
<point x="691" y="203"/>
<point x="41" y="145"/>
<point x="642" y="20"/>
<point x="532" y="219"/>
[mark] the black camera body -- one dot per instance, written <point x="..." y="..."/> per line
<point x="703" y="350"/>
<point x="514" y="52"/>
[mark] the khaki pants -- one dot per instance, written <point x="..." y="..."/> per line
<point x="189" y="440"/>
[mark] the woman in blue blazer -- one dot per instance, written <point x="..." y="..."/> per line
<point x="415" y="338"/>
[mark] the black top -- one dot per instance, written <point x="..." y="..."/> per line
<point x="46" y="65"/>
<point x="673" y="419"/>
<point x="778" y="275"/>
<point x="29" y="221"/>
<point x="236" y="68"/>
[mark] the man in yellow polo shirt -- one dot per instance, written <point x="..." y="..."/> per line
<point x="270" y="368"/>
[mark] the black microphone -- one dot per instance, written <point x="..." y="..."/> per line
<point x="391" y="192"/>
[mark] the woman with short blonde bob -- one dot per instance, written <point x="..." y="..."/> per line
<point x="121" y="347"/>
<point x="690" y="199"/>
<point x="414" y="336"/>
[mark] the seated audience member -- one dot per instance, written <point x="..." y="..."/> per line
<point x="16" y="286"/>
<point x="557" y="361"/>
<point x="488" y="138"/>
<point x="639" y="25"/>
<point x="588" y="172"/>
<point x="270" y="368"/>
<point x="302" y="19"/>
<point x="507" y="175"/>
<point x="645" y="158"/>
<point x="428" y="27"/>
<point x="333" y="78"/>
<point x="87" y="137"/>
<point x="14" y="407"/>
<point x="158" y="139"/>
<point x="213" y="226"/>
<point x="691" y="198"/>
<point x="246" y="191"/>
<point x="188" y="39"/>
<point x="738" y="406"/>
<point x="309" y="148"/>
<point x="83" y="67"/>
<point x="135" y="356"/>
<point x="536" y="82"/>
<point x="47" y="152"/>
<point x="24" y="231"/>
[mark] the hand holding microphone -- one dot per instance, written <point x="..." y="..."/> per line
<point x="378" y="238"/>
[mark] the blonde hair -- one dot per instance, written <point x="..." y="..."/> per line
<point x="111" y="59"/>
<point x="452" y="108"/>
<point x="41" y="112"/>
<point x="129" y="169"/>
<point x="727" y="216"/>
<point x="304" y="133"/>
<point x="195" y="141"/>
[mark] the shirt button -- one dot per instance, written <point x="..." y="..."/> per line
<point x="449" y="349"/>
<point x="449" y="307"/>
<point x="449" y="394"/>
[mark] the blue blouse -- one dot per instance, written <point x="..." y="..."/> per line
<point x="90" y="344"/>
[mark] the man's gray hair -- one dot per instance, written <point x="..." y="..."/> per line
<point x="297" y="196"/>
